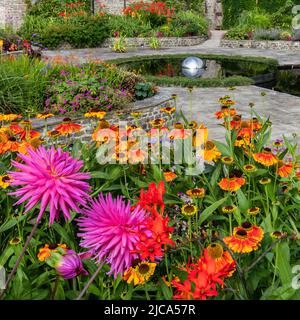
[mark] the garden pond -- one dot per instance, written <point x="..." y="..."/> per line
<point x="263" y="74"/>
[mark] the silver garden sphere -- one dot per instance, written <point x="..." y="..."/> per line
<point x="193" y="67"/>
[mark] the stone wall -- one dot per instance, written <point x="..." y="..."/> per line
<point x="12" y="12"/>
<point x="166" y="42"/>
<point x="275" y="45"/>
<point x="149" y="112"/>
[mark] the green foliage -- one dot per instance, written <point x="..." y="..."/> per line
<point x="79" y="32"/>
<point x="281" y="11"/>
<point x="22" y="84"/>
<point x="188" y="23"/>
<point x="46" y="8"/>
<point x="154" y="43"/>
<point x="144" y="90"/>
<point x="119" y="44"/>
<point x="128" y="26"/>
<point x="52" y="8"/>
<point x="255" y="19"/>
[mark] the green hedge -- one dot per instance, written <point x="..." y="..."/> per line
<point x="233" y="8"/>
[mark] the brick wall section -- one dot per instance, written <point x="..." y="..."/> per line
<point x="12" y="12"/>
<point x="114" y="6"/>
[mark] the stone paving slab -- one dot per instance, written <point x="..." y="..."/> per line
<point x="283" y="109"/>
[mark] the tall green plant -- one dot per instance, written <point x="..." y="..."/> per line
<point x="23" y="84"/>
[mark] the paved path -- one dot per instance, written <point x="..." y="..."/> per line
<point x="211" y="46"/>
<point x="283" y="109"/>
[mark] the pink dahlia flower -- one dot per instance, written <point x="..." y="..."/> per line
<point x="111" y="230"/>
<point x="50" y="177"/>
<point x="70" y="265"/>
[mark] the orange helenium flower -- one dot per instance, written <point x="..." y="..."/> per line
<point x="266" y="157"/>
<point x="245" y="238"/>
<point x="233" y="183"/>
<point x="67" y="127"/>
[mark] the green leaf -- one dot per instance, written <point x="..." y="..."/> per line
<point x="243" y="202"/>
<point x="8" y="224"/>
<point x="209" y="211"/>
<point x="223" y="148"/>
<point x="283" y="263"/>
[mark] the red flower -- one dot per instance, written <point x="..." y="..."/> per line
<point x="153" y="197"/>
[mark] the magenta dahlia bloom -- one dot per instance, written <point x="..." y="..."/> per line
<point x="111" y="230"/>
<point x="51" y="178"/>
<point x="70" y="265"/>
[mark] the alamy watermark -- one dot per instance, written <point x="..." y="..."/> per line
<point x="128" y="145"/>
<point x="2" y="278"/>
<point x="296" y="278"/>
<point x="296" y="19"/>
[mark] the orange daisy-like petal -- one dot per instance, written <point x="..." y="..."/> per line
<point x="284" y="169"/>
<point x="170" y="176"/>
<point x="67" y="127"/>
<point x="232" y="184"/>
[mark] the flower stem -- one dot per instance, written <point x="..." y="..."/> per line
<point x="17" y="263"/>
<point x="90" y="281"/>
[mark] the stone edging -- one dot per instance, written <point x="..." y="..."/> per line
<point x="166" y="42"/>
<point x="275" y="45"/>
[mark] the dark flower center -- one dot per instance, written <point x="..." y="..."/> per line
<point x="241" y="233"/>
<point x="246" y="225"/>
<point x="143" y="268"/>
<point x="53" y="246"/>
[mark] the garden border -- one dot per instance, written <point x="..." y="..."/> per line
<point x="255" y="44"/>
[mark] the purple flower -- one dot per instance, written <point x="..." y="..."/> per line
<point x="70" y="265"/>
<point x="51" y="178"/>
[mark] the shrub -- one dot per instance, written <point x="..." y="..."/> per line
<point x="188" y="23"/>
<point x="255" y="19"/>
<point x="79" y="32"/>
<point x="263" y="34"/>
<point x="238" y="33"/>
<point x="144" y="90"/>
<point x="23" y="84"/>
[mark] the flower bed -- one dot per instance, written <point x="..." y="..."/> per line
<point x="146" y="225"/>
<point x="274" y="45"/>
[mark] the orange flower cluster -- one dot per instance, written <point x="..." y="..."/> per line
<point x="17" y="137"/>
<point x="157" y="8"/>
<point x="152" y="245"/>
<point x="204" y="276"/>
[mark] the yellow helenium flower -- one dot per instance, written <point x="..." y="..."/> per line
<point x="140" y="273"/>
